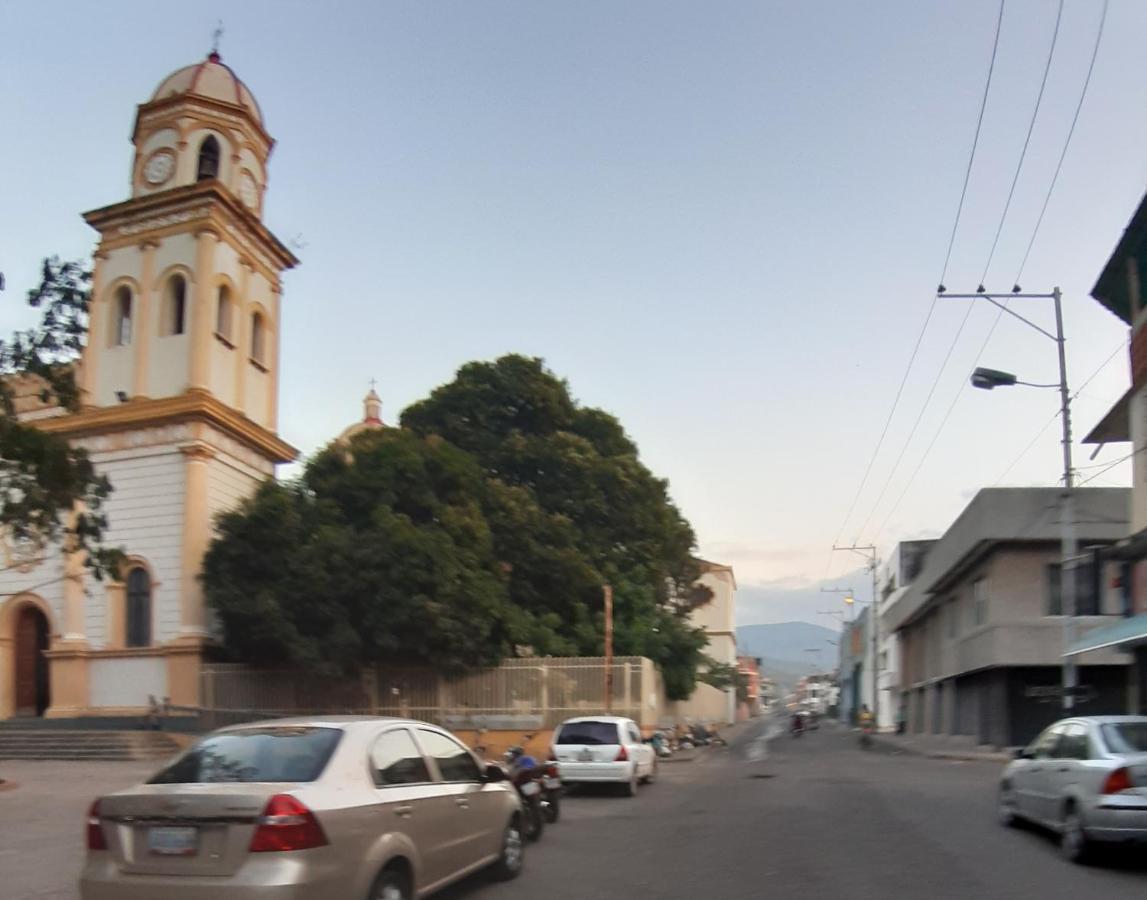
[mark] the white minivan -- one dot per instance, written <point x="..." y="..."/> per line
<point x="603" y="749"/>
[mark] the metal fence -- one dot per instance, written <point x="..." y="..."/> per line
<point x="519" y="694"/>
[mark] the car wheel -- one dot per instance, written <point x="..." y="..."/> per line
<point x="1073" y="842"/>
<point x="1007" y="808"/>
<point x="392" y="884"/>
<point x="509" y="864"/>
<point x="652" y="776"/>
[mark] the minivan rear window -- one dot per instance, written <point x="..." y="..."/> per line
<point x="277" y="753"/>
<point x="588" y="733"/>
<point x="1126" y="737"/>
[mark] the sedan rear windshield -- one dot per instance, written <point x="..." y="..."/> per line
<point x="1126" y="737"/>
<point x="254" y="754"/>
<point x="588" y="733"/>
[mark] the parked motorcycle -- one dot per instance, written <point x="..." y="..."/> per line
<point x="525" y="774"/>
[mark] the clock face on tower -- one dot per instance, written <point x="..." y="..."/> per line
<point x="159" y="167"/>
<point x="248" y="190"/>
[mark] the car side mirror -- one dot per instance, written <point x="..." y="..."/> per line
<point x="1023" y="753"/>
<point x="495" y="773"/>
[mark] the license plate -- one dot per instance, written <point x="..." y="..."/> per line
<point x="586" y="755"/>
<point x="530" y="788"/>
<point x="173" y="841"/>
<point x="552" y="784"/>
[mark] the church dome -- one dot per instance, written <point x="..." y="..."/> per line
<point x="371" y="418"/>
<point x="210" y="78"/>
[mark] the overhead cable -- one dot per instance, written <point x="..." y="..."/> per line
<point x="1027" y="143"/>
<point x="932" y="306"/>
<point x="1066" y="143"/>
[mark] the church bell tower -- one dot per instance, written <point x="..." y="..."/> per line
<point x="179" y="384"/>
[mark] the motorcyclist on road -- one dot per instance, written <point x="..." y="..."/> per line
<point x="798" y="721"/>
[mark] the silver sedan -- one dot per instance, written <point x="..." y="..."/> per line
<point x="370" y="808"/>
<point x="1085" y="778"/>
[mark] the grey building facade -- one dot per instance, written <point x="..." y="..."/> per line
<point x="980" y="630"/>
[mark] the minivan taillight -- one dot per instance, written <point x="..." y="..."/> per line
<point x="1119" y="780"/>
<point x="287" y="824"/>
<point x="96" y="839"/>
<point x="622" y="755"/>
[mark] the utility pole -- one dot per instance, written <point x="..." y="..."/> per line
<point x="607" y="591"/>
<point x="1069" y="547"/>
<point x="869" y="552"/>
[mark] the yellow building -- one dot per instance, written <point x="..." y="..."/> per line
<point x="180" y="385"/>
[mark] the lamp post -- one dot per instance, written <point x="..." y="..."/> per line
<point x="988" y="379"/>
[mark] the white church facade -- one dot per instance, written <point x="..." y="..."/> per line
<point x="179" y="384"/>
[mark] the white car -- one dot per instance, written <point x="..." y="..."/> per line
<point x="603" y="749"/>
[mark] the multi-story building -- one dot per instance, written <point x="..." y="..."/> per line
<point x="981" y="626"/>
<point x="749" y="668"/>
<point x="896" y="575"/>
<point x="718" y="619"/>
<point x="1120" y="289"/>
<point x="179" y="388"/>
<point x="855" y="666"/>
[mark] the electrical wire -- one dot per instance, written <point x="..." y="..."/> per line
<point x="1027" y="143"/>
<point x="1066" y="143"/>
<point x="1027" y="449"/>
<point x="1110" y="466"/>
<point x="935" y="298"/>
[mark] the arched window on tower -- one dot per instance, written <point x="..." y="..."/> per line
<point x="175" y="306"/>
<point x="121" y="317"/>
<point x="208" y="159"/>
<point x="137" y="620"/>
<point x="224" y="314"/>
<point x="258" y="339"/>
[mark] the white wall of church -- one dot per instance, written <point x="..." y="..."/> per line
<point x="229" y="483"/>
<point x="145" y="513"/>
<point x="44" y="578"/>
<point x="127" y="682"/>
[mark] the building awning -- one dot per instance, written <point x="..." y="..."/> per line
<point x="1125" y="633"/>
<point x="1115" y="426"/>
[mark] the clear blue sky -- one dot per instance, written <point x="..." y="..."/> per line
<point x="721" y="222"/>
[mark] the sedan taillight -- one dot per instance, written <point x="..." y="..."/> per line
<point x="287" y="824"/>
<point x="1117" y="781"/>
<point x="96" y="839"/>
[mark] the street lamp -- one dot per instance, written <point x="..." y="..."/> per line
<point x="988" y="379"/>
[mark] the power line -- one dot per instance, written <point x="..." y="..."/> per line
<point x="1027" y="142"/>
<point x="919" y="419"/>
<point x="975" y="143"/>
<point x="1066" y="143"/>
<point x="932" y="306"/>
<point x="1110" y="466"/>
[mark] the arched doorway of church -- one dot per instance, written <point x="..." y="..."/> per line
<point x="31" y="640"/>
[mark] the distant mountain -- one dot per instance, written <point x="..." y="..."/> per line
<point x="789" y="642"/>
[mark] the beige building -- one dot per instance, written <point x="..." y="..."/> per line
<point x="718" y="618"/>
<point x="980" y="626"/>
<point x="180" y="385"/>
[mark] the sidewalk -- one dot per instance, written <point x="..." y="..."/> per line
<point x="730" y="734"/>
<point x="937" y="746"/>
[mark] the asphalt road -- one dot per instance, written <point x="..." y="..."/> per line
<point x="819" y="818"/>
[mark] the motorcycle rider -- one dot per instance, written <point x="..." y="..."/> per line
<point x="798" y="722"/>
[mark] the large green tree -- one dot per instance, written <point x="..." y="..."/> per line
<point x="43" y="478"/>
<point x="602" y="512"/>
<point x="380" y="552"/>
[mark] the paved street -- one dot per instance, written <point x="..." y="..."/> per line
<point x="826" y="820"/>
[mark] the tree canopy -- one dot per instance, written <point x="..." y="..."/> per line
<point x="43" y="478"/>
<point x="485" y="527"/>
